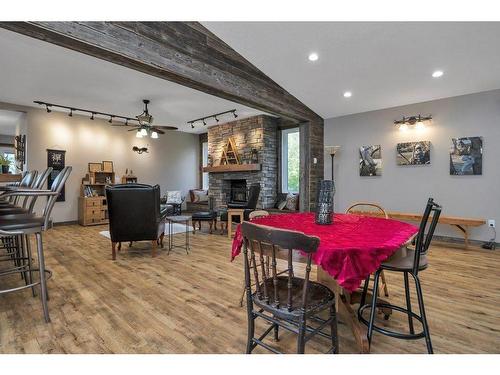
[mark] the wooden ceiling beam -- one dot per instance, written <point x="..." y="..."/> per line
<point x="182" y="52"/>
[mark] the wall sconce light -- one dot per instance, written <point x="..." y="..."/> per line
<point x="416" y="122"/>
<point x="140" y="150"/>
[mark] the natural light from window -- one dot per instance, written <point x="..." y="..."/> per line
<point x="290" y="160"/>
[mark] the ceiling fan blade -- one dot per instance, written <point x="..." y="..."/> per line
<point x="157" y="130"/>
<point x="166" y="127"/>
<point x="134" y="129"/>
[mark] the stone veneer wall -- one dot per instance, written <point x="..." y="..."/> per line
<point x="259" y="132"/>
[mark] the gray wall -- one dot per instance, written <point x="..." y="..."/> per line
<point x="172" y="161"/>
<point x="406" y="189"/>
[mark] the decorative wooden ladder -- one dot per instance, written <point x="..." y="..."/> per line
<point x="229" y="153"/>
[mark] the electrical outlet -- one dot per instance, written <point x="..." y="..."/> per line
<point x="491" y="223"/>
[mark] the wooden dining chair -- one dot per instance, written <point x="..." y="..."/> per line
<point x="281" y="298"/>
<point x="255" y="215"/>
<point x="371" y="209"/>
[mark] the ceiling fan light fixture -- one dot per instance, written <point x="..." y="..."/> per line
<point x="138" y="134"/>
<point x="154" y="135"/>
<point x="144" y="132"/>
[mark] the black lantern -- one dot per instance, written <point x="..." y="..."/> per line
<point x="324" y="202"/>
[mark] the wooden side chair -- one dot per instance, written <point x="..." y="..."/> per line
<point x="371" y="209"/>
<point x="255" y="215"/>
<point x="281" y="298"/>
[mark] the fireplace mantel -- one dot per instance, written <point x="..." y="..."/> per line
<point x="233" y="168"/>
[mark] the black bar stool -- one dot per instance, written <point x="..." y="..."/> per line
<point x="410" y="262"/>
<point x="24" y="224"/>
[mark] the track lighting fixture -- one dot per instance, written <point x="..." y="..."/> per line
<point x="143" y="123"/>
<point x="215" y="116"/>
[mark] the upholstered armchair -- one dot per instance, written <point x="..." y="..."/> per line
<point x="135" y="215"/>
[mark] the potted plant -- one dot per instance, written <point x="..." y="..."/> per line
<point x="5" y="163"/>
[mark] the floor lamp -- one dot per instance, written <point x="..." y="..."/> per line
<point x="332" y="150"/>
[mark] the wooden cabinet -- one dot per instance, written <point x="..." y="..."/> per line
<point x="92" y="210"/>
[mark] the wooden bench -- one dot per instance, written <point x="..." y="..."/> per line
<point x="462" y="224"/>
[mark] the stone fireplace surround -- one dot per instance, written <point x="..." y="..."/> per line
<point x="259" y="132"/>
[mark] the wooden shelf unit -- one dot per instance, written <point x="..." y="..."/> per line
<point x="93" y="210"/>
<point x="130" y="179"/>
<point x="233" y="168"/>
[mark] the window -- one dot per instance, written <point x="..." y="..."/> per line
<point x="204" y="163"/>
<point x="290" y="160"/>
<point x="10" y="157"/>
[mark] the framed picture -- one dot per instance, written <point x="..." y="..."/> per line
<point x="56" y="160"/>
<point x="107" y="166"/>
<point x="413" y="153"/>
<point x="370" y="160"/>
<point x="466" y="156"/>
<point x="95" y="167"/>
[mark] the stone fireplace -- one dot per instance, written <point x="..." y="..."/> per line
<point x="258" y="132"/>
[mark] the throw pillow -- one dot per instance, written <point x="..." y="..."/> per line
<point x="280" y="197"/>
<point x="281" y="205"/>
<point x="174" y="197"/>
<point x="200" y="196"/>
<point x="291" y="202"/>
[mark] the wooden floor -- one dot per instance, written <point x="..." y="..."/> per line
<point x="189" y="303"/>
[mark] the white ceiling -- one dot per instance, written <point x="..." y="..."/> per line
<point x="383" y="64"/>
<point x="35" y="70"/>
<point x="9" y="121"/>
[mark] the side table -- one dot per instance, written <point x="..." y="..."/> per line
<point x="180" y="220"/>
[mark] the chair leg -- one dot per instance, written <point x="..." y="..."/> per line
<point x="408" y="303"/>
<point x="43" y="280"/>
<point x="422" y="314"/>
<point x="30" y="258"/>
<point x="384" y="284"/>
<point x="333" y="329"/>
<point x="194" y="226"/>
<point x="210" y="223"/>
<point x="276" y="333"/>
<point x="301" y="342"/>
<point x="113" y="250"/>
<point x="365" y="291"/>
<point x="161" y="239"/>
<point x="130" y="244"/>
<point x="251" y="322"/>
<point x="119" y="246"/>
<point x="373" y="307"/>
<point x="154" y="245"/>
<point x="243" y="294"/>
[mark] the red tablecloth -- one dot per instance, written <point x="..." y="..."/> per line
<point x="350" y="249"/>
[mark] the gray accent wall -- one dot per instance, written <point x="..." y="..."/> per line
<point x="406" y="188"/>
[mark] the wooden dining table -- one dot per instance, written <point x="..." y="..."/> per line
<point x="350" y="250"/>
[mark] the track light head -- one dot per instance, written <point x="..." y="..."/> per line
<point x="92" y="117"/>
<point x="192" y="125"/>
<point x="70" y="114"/>
<point x="216" y="119"/>
<point x="204" y="123"/>
<point x="110" y="119"/>
<point x="126" y="122"/>
<point x="235" y="115"/>
<point x="48" y="109"/>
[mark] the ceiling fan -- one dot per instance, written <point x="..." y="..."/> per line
<point x="146" y="126"/>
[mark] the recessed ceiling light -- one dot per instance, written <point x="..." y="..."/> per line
<point x="313" y="56"/>
<point x="437" y="73"/>
<point x="347" y="94"/>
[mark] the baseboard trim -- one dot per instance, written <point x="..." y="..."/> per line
<point x="63" y="223"/>
<point x="459" y="241"/>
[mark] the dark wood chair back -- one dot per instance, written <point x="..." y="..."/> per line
<point x="426" y="231"/>
<point x="267" y="242"/>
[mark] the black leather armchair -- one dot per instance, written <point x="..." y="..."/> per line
<point x="135" y="215"/>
